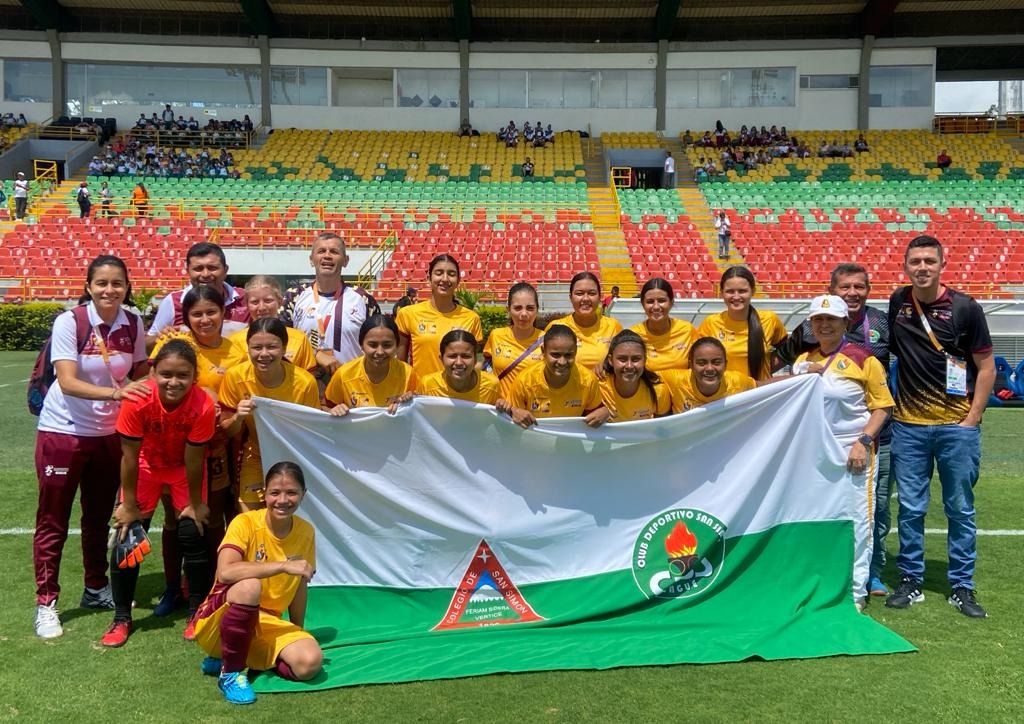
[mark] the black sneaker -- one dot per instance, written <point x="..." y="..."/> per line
<point x="906" y="594"/>
<point x="963" y="600"/>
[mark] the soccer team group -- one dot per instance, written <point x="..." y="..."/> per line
<point x="138" y="420"/>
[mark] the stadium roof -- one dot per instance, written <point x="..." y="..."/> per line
<point x="523" y="20"/>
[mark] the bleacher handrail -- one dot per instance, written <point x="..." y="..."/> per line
<point x="180" y="139"/>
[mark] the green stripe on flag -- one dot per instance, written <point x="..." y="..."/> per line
<point x="783" y="593"/>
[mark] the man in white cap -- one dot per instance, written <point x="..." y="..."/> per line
<point x="857" y="405"/>
<point x="20" y="195"/>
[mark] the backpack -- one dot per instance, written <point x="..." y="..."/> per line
<point x="43" y="374"/>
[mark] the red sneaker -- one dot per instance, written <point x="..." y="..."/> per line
<point x="190" y="629"/>
<point x="117" y="635"/>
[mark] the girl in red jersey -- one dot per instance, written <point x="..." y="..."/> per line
<point x="163" y="442"/>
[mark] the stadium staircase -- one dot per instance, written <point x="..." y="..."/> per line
<point x="612" y="253"/>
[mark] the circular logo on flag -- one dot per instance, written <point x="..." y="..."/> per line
<point x="679" y="554"/>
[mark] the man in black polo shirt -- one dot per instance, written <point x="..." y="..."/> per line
<point x="944" y="378"/>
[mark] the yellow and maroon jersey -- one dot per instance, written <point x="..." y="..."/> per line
<point x="733" y="335"/>
<point x="484" y="392"/>
<point x="350" y="385"/>
<point x="641" y="406"/>
<point x="855" y="385"/>
<point x="667" y="351"/>
<point x="686" y="395"/>
<point x="424" y="325"/>
<point x="578" y="396"/>
<point x="592" y="342"/>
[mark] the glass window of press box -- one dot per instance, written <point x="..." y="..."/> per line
<point x="427" y="88"/>
<point x="28" y="81"/>
<point x="93" y="87"/>
<point x="731" y="88"/>
<point x="900" y="86"/>
<point x="298" y="86"/>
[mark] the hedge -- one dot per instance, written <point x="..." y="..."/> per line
<point x="26" y="326"/>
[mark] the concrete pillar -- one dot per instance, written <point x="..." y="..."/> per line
<point x="265" y="90"/>
<point x="57" y="71"/>
<point x="661" y="85"/>
<point x="463" y="79"/>
<point x="864" y="84"/>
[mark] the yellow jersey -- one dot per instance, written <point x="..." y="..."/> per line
<point x="641" y="406"/>
<point x="214" y="362"/>
<point x="484" y="392"/>
<point x="592" y="341"/>
<point x="351" y="386"/>
<point x="733" y="335"/>
<point x="502" y="349"/>
<point x="240" y="383"/>
<point x="686" y="396"/>
<point x="424" y="325"/>
<point x="667" y="351"/>
<point x="577" y="397"/>
<point x="298" y="351"/>
<point x="249" y="534"/>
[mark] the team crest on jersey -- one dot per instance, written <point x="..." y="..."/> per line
<point x="261" y="553"/>
<point x="425" y="328"/>
<point x="874" y="336"/>
<point x="679" y="554"/>
<point x="907" y="310"/>
<point x="486" y="596"/>
<point x="541" y="406"/>
<point x="842" y="364"/>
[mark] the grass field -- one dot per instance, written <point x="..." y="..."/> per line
<point x="965" y="669"/>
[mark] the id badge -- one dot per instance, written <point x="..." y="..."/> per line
<point x="956" y="376"/>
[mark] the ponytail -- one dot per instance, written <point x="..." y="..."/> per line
<point x="755" y="343"/>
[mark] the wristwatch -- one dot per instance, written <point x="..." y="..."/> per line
<point x="866" y="440"/>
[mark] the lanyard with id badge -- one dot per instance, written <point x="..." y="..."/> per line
<point x="956" y="367"/>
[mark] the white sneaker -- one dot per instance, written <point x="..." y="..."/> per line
<point x="48" y="622"/>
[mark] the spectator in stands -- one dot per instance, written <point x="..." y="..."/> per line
<point x="670" y="171"/>
<point x="106" y="199"/>
<point x="720" y="134"/>
<point x="7" y="120"/>
<point x="687" y="138"/>
<point x="946" y="375"/>
<point x="141" y="122"/>
<point x="705" y="140"/>
<point x="824" y="150"/>
<point x="193" y="124"/>
<point x="943" y="160"/>
<point x="168" y="117"/>
<point x="84" y="202"/>
<point x="724" y="228"/>
<point x="528" y="132"/>
<point x="465" y="129"/>
<point x="511" y="135"/>
<point x="406" y="301"/>
<point x="206" y="265"/>
<point x="527" y="168"/>
<point x="140" y="200"/>
<point x="247" y="124"/>
<point x="607" y="302"/>
<point x="549" y="135"/>
<point x="20" y="195"/>
<point x="22" y="122"/>
<point x="845" y="151"/>
<point x="860" y="145"/>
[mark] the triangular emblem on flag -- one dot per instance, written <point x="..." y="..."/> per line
<point x="486" y="596"/>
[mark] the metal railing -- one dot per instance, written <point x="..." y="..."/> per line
<point x="959" y="123"/>
<point x="374" y="266"/>
<point x="194" y="139"/>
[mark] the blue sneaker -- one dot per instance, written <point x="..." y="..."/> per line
<point x="876" y="587"/>
<point x="210" y="666"/>
<point x="169" y="600"/>
<point x="236" y="689"/>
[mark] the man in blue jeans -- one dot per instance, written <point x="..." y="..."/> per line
<point x="944" y="378"/>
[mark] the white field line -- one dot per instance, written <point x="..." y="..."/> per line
<point x="19" y="382"/>
<point x="928" y="531"/>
